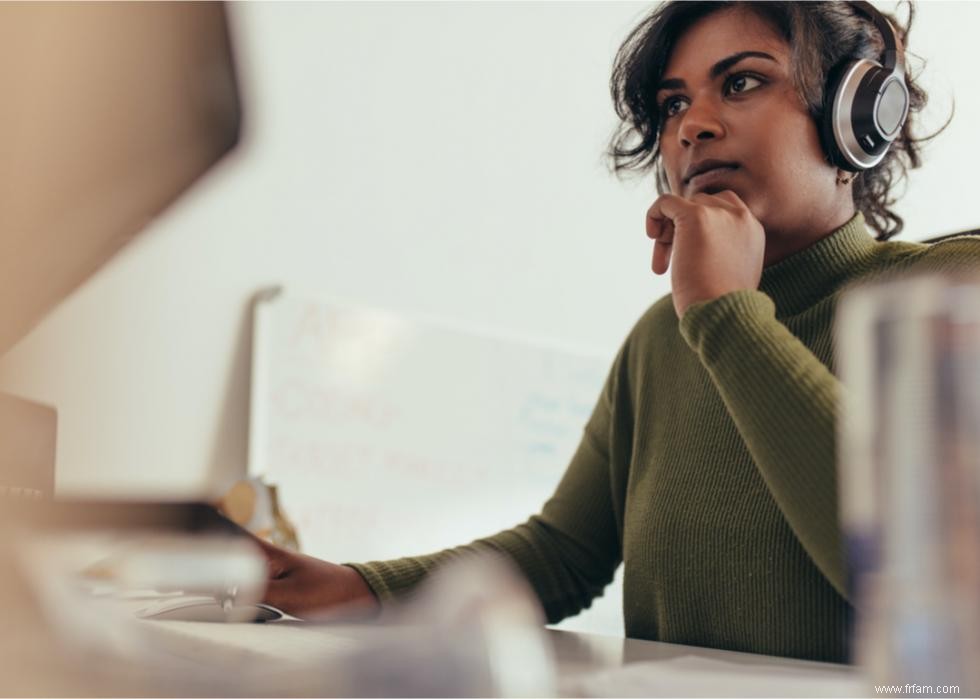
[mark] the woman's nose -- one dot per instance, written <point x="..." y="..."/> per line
<point x="700" y="122"/>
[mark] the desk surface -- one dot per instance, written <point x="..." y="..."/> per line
<point x="586" y="664"/>
<point x="117" y="654"/>
<point x="593" y="665"/>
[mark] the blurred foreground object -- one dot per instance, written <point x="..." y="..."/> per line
<point x="909" y="353"/>
<point x="109" y="112"/>
<point x="474" y="629"/>
<point x="28" y="433"/>
<point x="70" y="573"/>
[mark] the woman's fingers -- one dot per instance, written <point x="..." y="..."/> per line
<point x="654" y="224"/>
<point x="667" y="207"/>
<point x="281" y="594"/>
<point x="278" y="561"/>
<point x="660" y="228"/>
<point x="662" y="249"/>
<point x="726" y="199"/>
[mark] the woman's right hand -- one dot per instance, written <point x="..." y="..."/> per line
<point x="302" y="586"/>
<point x="712" y="243"/>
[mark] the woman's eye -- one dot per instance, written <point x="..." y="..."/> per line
<point x="672" y="106"/>
<point x="742" y="83"/>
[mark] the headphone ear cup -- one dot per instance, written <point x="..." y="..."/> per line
<point x="865" y="102"/>
<point x="827" y="136"/>
<point x="862" y="98"/>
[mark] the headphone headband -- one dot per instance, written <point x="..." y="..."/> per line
<point x="893" y="55"/>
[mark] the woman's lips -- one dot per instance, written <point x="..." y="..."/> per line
<point x="711" y="178"/>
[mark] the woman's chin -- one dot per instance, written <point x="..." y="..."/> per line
<point x="716" y="189"/>
<point x="720" y="187"/>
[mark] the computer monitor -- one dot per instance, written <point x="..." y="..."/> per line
<point x="108" y="111"/>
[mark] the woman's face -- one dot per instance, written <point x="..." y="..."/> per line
<point x="727" y="95"/>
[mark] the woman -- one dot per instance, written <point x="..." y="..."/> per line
<point x="708" y="464"/>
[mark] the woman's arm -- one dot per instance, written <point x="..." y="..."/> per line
<point x="783" y="401"/>
<point x="782" y="398"/>
<point x="569" y="552"/>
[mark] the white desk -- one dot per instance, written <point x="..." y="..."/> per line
<point x="100" y="648"/>
<point x="592" y="665"/>
<point x="587" y="664"/>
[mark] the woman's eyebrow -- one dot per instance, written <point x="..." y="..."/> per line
<point x="716" y="70"/>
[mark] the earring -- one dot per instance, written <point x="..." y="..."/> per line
<point x="844" y="177"/>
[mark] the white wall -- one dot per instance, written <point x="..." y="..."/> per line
<point x="442" y="159"/>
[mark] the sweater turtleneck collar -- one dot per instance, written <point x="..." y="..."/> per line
<point x="809" y="275"/>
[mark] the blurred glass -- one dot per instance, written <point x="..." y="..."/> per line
<point x="909" y="357"/>
<point x="473" y="629"/>
<point x="72" y="606"/>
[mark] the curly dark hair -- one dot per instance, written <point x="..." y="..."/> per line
<point x="821" y="35"/>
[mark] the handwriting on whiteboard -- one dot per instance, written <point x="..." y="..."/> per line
<point x="388" y="436"/>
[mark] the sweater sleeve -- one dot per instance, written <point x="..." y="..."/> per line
<point x="783" y="401"/>
<point x="568" y="552"/>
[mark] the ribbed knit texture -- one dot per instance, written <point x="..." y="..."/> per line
<point x="708" y="467"/>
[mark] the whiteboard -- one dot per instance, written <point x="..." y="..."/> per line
<point x="391" y="436"/>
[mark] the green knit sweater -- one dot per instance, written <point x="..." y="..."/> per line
<point x="708" y="467"/>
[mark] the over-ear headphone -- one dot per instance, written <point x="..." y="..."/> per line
<point x="865" y="102"/>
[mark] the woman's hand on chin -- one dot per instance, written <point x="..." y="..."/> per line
<point x="711" y="243"/>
